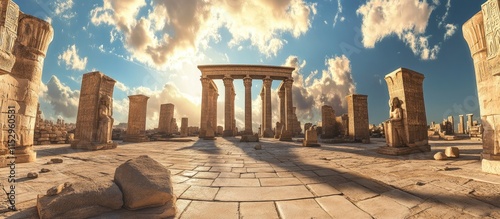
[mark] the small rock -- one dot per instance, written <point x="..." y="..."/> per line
<point x="32" y="175"/>
<point x="439" y="156"/>
<point x="452" y="152"/>
<point x="49" y="162"/>
<point x="419" y="183"/>
<point x="258" y="147"/>
<point x="44" y="170"/>
<point x="56" y="160"/>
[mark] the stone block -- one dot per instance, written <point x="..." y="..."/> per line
<point x="440" y="156"/>
<point x="144" y="182"/>
<point x="452" y="152"/>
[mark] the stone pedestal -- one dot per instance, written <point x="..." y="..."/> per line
<point x="136" y="126"/>
<point x="24" y="41"/>
<point x="481" y="34"/>
<point x="94" y="120"/>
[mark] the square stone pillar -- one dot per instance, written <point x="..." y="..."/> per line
<point x="166" y="115"/>
<point x="327" y="122"/>
<point x="136" y="126"/>
<point x="481" y="34"/>
<point x="470" y="121"/>
<point x="205" y="83"/>
<point x="461" y="125"/>
<point x="94" y="120"/>
<point x="281" y="95"/>
<point x="184" y="127"/>
<point x="357" y="109"/>
<point x="451" y="129"/>
<point x="228" y="106"/>
<point x="263" y="111"/>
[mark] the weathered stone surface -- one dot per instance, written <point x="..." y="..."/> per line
<point x="136" y="126"/>
<point x="452" y="152"/>
<point x="357" y="108"/>
<point x="184" y="127"/>
<point x="44" y="170"/>
<point x="80" y="200"/>
<point x="329" y="128"/>
<point x="94" y="121"/>
<point x="440" y="156"/>
<point x="249" y="138"/>
<point x="166" y="116"/>
<point x="32" y="175"/>
<point x="144" y="182"/>
<point x="311" y="138"/>
<point x="56" y="160"/>
<point x="491" y="166"/>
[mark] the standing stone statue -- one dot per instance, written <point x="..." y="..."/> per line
<point x="396" y="136"/>
<point x="105" y="121"/>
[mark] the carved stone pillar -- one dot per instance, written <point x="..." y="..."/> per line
<point x="184" y="127"/>
<point x="286" y="134"/>
<point x="281" y="95"/>
<point x="205" y="83"/>
<point x="247" y="81"/>
<point x="481" y="34"/>
<point x="228" y="106"/>
<point x="136" y="126"/>
<point x="268" y="125"/>
<point x="263" y="112"/>
<point x="166" y="115"/>
<point x="214" y="110"/>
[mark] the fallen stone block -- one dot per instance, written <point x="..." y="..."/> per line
<point x="452" y="152"/>
<point x="144" y="182"/>
<point x="440" y="156"/>
<point x="79" y="200"/>
<point x="258" y="147"/>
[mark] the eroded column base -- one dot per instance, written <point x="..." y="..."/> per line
<point x="491" y="166"/>
<point x="286" y="136"/>
<point x="268" y="133"/>
<point x="403" y="150"/>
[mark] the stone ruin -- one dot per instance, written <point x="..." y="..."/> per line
<point x="46" y="132"/>
<point x="357" y="108"/>
<point x="136" y="126"/>
<point x="406" y="128"/>
<point x="184" y="127"/>
<point x="311" y="137"/>
<point x="24" y="41"/>
<point x="482" y="35"/>
<point x="328" y="122"/>
<point x="94" y="121"/>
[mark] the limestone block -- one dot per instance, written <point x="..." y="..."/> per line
<point x="452" y="152"/>
<point x="439" y="156"/>
<point x="144" y="183"/>
<point x="80" y="200"/>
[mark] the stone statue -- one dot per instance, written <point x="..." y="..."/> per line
<point x="396" y="121"/>
<point x="105" y="120"/>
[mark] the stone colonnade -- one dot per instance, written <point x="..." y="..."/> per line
<point x="248" y="73"/>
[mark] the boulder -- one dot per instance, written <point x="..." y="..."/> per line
<point x="452" y="152"/>
<point x="83" y="199"/>
<point x="44" y="170"/>
<point x="440" y="156"/>
<point x="144" y="182"/>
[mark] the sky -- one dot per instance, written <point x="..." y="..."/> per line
<point x="338" y="47"/>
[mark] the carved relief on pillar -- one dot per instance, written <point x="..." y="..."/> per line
<point x="247" y="81"/>
<point x="9" y="16"/>
<point x="491" y="19"/>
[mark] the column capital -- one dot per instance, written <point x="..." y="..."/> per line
<point x="267" y="82"/>
<point x="204" y="81"/>
<point x="228" y="81"/>
<point x="288" y="82"/>
<point x="247" y="81"/>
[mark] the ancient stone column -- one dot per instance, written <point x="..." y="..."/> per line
<point x="461" y="125"/>
<point x="407" y="86"/>
<point x="268" y="125"/>
<point x="214" y="109"/>
<point x="327" y="122"/>
<point x="281" y="95"/>
<point x="210" y="110"/>
<point x="451" y="130"/>
<point x="286" y="135"/>
<point x="247" y="81"/>
<point x="24" y="41"/>
<point x="228" y="106"/>
<point x="166" y="115"/>
<point x="205" y="83"/>
<point x="481" y="34"/>
<point x="470" y="121"/>
<point x="184" y="127"/>
<point x="263" y="112"/>
<point x="136" y="126"/>
<point x="233" y="124"/>
<point x="94" y="120"/>
<point x="357" y="109"/>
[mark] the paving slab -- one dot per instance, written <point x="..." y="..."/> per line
<point x="263" y="193"/>
<point x="290" y="181"/>
<point x="323" y="189"/>
<point x="339" y="207"/>
<point x="200" y="193"/>
<point x="384" y="207"/>
<point x="354" y="191"/>
<point x="235" y="182"/>
<point x="211" y="210"/>
<point x="305" y="208"/>
<point x="261" y="210"/>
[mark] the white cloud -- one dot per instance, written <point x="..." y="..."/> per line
<point x="383" y="18"/>
<point x="71" y="59"/>
<point x="63" y="100"/>
<point x="443" y="19"/>
<point x="174" y="31"/>
<point x="339" y="12"/>
<point x="450" y="30"/>
<point x="63" y="8"/>
<point x="121" y="86"/>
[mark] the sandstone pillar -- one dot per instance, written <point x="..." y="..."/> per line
<point x="470" y="122"/>
<point x="166" y="115"/>
<point x="286" y="135"/>
<point x="214" y="109"/>
<point x="451" y="129"/>
<point x="136" y="126"/>
<point x="357" y="108"/>
<point x="94" y="120"/>
<point x="461" y="125"/>
<point x="407" y="86"/>
<point x="481" y="34"/>
<point x="24" y="41"/>
<point x="247" y="81"/>
<point x="205" y="83"/>
<point x="327" y="122"/>
<point x="228" y="106"/>
<point x="268" y="129"/>
<point x="263" y="112"/>
<point x="281" y="95"/>
<point x="184" y="127"/>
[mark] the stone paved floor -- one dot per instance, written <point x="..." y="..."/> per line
<point x="228" y="179"/>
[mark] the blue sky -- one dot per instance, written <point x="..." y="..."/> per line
<point x="340" y="46"/>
